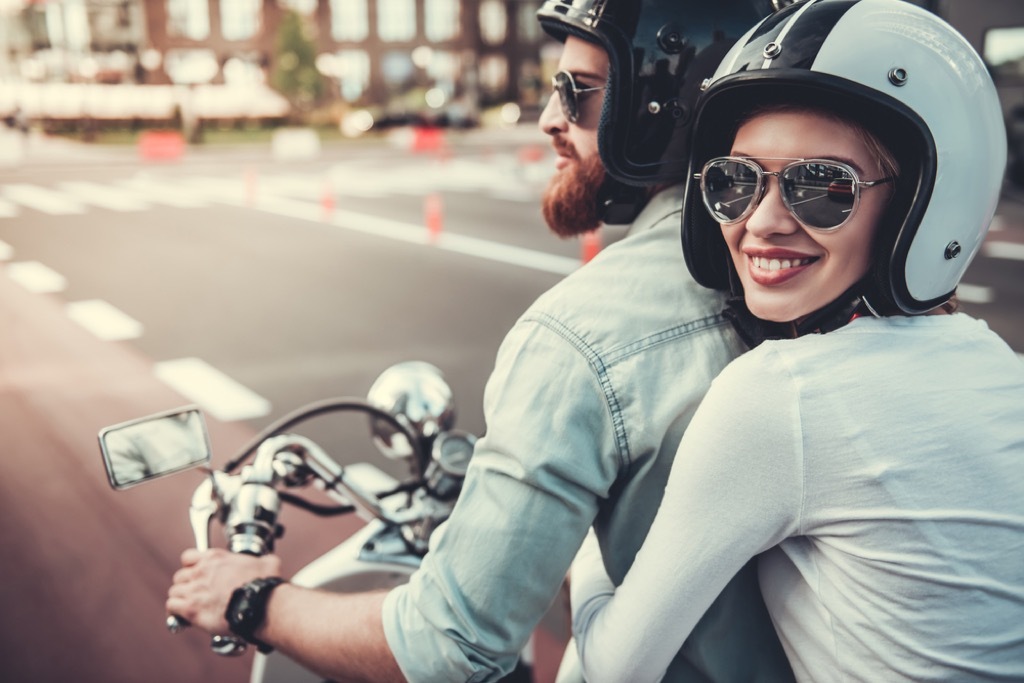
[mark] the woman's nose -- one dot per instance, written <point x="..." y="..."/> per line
<point x="771" y="216"/>
<point x="552" y="121"/>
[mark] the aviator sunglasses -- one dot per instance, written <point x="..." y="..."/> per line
<point x="569" y="94"/>
<point x="821" y="194"/>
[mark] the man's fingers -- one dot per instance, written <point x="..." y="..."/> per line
<point x="190" y="556"/>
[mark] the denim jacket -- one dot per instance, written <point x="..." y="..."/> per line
<point x="591" y="392"/>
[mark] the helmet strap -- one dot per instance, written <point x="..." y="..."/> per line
<point x="753" y="330"/>
<point x="619" y="203"/>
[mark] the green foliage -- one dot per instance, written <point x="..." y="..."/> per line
<point x="294" y="73"/>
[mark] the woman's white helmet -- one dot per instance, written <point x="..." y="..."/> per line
<point x="913" y="81"/>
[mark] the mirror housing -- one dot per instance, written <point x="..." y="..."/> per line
<point x="154" y="446"/>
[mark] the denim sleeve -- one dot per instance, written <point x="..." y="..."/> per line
<point x="531" y="493"/>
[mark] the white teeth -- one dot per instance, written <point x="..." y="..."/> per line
<point x="778" y="264"/>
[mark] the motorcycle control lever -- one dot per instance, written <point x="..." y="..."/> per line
<point x="206" y="503"/>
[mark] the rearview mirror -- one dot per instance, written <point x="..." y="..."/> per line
<point x="154" y="446"/>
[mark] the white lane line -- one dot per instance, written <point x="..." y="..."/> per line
<point x="417" y="234"/>
<point x="152" y="190"/>
<point x="974" y="294"/>
<point x="218" y="394"/>
<point x="104" y="320"/>
<point x="6" y="251"/>
<point x="998" y="223"/>
<point x="35" y="277"/>
<point x="43" y="199"/>
<point x="104" y="196"/>
<point x="8" y="209"/>
<point x="1008" y="250"/>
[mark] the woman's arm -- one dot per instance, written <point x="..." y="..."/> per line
<point x="734" y="491"/>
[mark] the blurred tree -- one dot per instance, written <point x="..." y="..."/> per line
<point x="294" y="73"/>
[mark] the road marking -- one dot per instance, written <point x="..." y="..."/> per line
<point x="35" y="277"/>
<point x="104" y="196"/>
<point x="974" y="294"/>
<point x="1008" y="250"/>
<point x="218" y="394"/>
<point x="43" y="199"/>
<point x="104" y="320"/>
<point x="8" y="209"/>
<point x="157" y="192"/>
<point x="417" y="234"/>
<point x="6" y="251"/>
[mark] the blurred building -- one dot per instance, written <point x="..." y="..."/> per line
<point x="451" y="55"/>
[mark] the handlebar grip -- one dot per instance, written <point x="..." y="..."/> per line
<point x="176" y="624"/>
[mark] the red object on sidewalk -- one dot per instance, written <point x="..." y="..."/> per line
<point x="161" y="145"/>
<point x="327" y="199"/>
<point x="590" y="245"/>
<point x="427" y="139"/>
<point x="433" y="215"/>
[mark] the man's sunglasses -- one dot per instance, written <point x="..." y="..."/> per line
<point x="820" y="193"/>
<point x="569" y="94"/>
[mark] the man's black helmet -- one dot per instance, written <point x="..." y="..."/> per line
<point x="659" y="52"/>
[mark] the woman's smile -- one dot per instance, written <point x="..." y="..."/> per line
<point x="774" y="267"/>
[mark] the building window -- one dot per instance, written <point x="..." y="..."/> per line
<point x="243" y="69"/>
<point x="353" y="72"/>
<point x="441" y="19"/>
<point x="396" y="20"/>
<point x="349" y="20"/>
<point x="188" y="19"/>
<point x="185" y="66"/>
<point x="397" y="69"/>
<point x="239" y="19"/>
<point x="529" y="27"/>
<point x="76" y="26"/>
<point x="494" y="75"/>
<point x="493" y="21"/>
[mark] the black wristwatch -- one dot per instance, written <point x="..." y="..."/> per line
<point x="247" y="609"/>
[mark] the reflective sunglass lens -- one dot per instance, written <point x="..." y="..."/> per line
<point x="729" y="187"/>
<point x="566" y="90"/>
<point x="819" y="195"/>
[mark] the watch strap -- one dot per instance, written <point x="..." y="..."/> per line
<point x="247" y="609"/>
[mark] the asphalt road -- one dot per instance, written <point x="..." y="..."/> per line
<point x="284" y="282"/>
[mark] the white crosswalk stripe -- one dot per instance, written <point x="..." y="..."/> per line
<point x="36" y="277"/>
<point x="6" y="251"/>
<point x="162" y="192"/>
<point x="104" y="320"/>
<point x="1007" y="250"/>
<point x="974" y="294"/>
<point x="218" y="394"/>
<point x="8" y="209"/>
<point x="43" y="199"/>
<point x="105" y="196"/>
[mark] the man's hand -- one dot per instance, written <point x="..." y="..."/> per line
<point x="203" y="585"/>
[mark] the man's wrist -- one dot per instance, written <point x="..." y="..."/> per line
<point x="247" y="609"/>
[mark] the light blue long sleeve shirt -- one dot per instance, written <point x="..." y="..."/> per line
<point x="591" y="392"/>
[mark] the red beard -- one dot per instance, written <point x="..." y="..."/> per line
<point x="570" y="203"/>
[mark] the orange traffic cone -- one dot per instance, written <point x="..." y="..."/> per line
<point x="590" y="245"/>
<point x="433" y="214"/>
<point x="327" y="200"/>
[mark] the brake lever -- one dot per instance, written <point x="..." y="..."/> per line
<point x="206" y="502"/>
